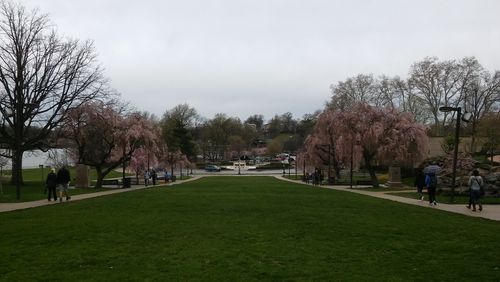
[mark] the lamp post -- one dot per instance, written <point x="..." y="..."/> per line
<point x="41" y="166"/>
<point x="295" y="164"/>
<point x="289" y="164"/>
<point x="457" y="136"/>
<point x="303" y="168"/>
<point x="352" y="157"/>
<point x="329" y="165"/>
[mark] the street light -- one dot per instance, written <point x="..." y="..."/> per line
<point x="352" y="158"/>
<point x="465" y="118"/>
<point x="41" y="166"/>
<point x="289" y="164"/>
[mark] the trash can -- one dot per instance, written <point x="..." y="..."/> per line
<point x="126" y="182"/>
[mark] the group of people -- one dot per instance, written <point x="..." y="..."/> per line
<point x="427" y="178"/>
<point x="59" y="182"/>
<point x="150" y="175"/>
<point x="315" y="178"/>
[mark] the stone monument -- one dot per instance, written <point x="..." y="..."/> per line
<point x="395" y="177"/>
<point x="82" y="179"/>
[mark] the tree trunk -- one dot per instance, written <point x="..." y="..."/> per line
<point x="371" y="170"/>
<point x="17" y="171"/>
<point x="473" y="139"/>
<point x="100" y="177"/>
<point x="1" y="178"/>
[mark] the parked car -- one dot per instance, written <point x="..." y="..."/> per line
<point x="212" y="168"/>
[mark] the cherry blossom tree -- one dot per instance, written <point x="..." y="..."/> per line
<point x="105" y="137"/>
<point x="321" y="145"/>
<point x="139" y="161"/>
<point x="369" y="134"/>
<point x="174" y="159"/>
<point x="388" y="137"/>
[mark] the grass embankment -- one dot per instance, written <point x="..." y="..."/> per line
<point x="245" y="229"/>
<point x="33" y="187"/>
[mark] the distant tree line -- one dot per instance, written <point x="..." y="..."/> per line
<point x="431" y="84"/>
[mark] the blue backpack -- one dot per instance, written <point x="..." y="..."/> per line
<point x="432" y="180"/>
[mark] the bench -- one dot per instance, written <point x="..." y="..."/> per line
<point x="363" y="182"/>
<point x="112" y="182"/>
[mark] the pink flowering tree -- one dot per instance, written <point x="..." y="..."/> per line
<point x="371" y="135"/>
<point x="321" y="145"/>
<point x="140" y="132"/>
<point x="104" y="137"/>
<point x="139" y="162"/>
<point x="389" y="137"/>
<point x="174" y="159"/>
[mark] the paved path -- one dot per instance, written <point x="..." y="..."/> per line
<point x="5" y="207"/>
<point x="489" y="211"/>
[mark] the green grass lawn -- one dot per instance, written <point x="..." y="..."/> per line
<point x="34" y="188"/>
<point x="245" y="229"/>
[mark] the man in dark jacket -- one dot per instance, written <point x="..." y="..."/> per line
<point x="63" y="179"/>
<point x="420" y="183"/>
<point x="51" y="183"/>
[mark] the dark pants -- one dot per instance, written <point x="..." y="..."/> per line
<point x="432" y="194"/>
<point x="476" y="198"/>
<point x="419" y="189"/>
<point x="52" y="192"/>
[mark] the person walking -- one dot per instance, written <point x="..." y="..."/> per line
<point x="431" y="184"/>
<point x="146" y="178"/>
<point x="153" y="176"/>
<point x="420" y="182"/>
<point x="63" y="178"/>
<point x="167" y="177"/>
<point x="51" y="183"/>
<point x="475" y="184"/>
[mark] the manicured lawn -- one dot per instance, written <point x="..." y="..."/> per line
<point x="34" y="189"/>
<point x="245" y="229"/>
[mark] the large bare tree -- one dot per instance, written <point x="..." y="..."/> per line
<point x="41" y="77"/>
<point x="482" y="97"/>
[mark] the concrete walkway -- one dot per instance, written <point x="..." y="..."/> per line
<point x="6" y="207"/>
<point x="489" y="211"/>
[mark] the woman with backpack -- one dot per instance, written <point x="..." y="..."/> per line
<point x="475" y="184"/>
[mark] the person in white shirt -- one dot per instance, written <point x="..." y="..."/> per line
<point x="475" y="184"/>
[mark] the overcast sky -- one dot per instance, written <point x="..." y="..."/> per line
<point x="264" y="56"/>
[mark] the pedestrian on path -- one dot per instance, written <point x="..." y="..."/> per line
<point x="63" y="178"/>
<point x="146" y="178"/>
<point x="431" y="183"/>
<point x="51" y="183"/>
<point x="153" y="176"/>
<point x="420" y="182"/>
<point x="475" y="184"/>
